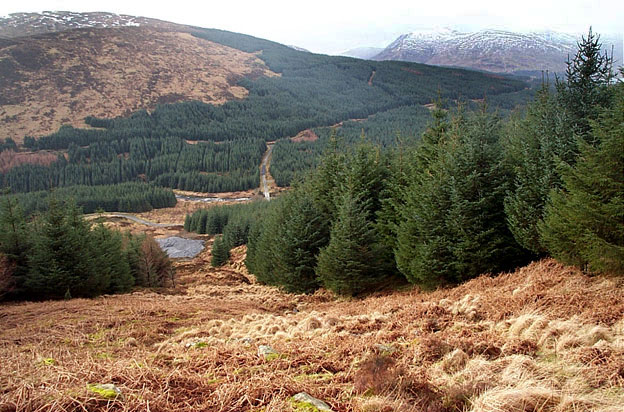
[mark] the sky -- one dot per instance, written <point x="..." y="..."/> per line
<point x="332" y="26"/>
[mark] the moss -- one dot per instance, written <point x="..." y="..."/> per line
<point x="313" y="377"/>
<point x="272" y="356"/>
<point x="199" y="345"/>
<point x="303" y="406"/>
<point x="48" y="362"/>
<point x="107" y="391"/>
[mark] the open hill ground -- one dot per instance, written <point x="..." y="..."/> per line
<point x="545" y="338"/>
<point x="60" y="78"/>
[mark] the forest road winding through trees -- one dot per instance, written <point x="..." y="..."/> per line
<point x="263" y="171"/>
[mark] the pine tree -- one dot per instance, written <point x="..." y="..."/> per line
<point x="584" y="92"/>
<point x="15" y="242"/>
<point x="584" y="221"/>
<point x="220" y="252"/>
<point x="353" y="261"/>
<point x="303" y="232"/>
<point x="535" y="145"/>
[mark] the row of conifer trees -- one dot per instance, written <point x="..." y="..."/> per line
<point x="476" y="195"/>
<point x="59" y="254"/>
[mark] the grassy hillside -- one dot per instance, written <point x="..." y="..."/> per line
<point x="545" y="338"/>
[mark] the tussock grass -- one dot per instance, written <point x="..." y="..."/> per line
<point x="545" y="338"/>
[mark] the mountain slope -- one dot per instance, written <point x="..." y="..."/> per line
<point x="60" y="78"/>
<point x="491" y="50"/>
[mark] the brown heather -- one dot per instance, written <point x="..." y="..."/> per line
<point x="545" y="338"/>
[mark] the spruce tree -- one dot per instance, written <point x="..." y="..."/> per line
<point x="584" y="91"/>
<point x="535" y="144"/>
<point x="220" y="252"/>
<point x="584" y="221"/>
<point x="353" y="261"/>
<point x="453" y="222"/>
<point x="62" y="256"/>
<point x="15" y="242"/>
<point x="303" y="232"/>
<point x="482" y="242"/>
<point x="111" y="260"/>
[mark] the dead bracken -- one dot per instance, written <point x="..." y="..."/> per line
<point x="541" y="338"/>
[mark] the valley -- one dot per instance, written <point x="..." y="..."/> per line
<point x="359" y="235"/>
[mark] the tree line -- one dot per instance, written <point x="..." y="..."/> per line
<point x="58" y="254"/>
<point x="169" y="162"/>
<point x="230" y="222"/>
<point x="476" y="195"/>
<point x="133" y="197"/>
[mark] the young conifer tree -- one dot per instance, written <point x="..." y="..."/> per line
<point x="354" y="260"/>
<point x="584" y="221"/>
<point x="584" y="91"/>
<point x="220" y="252"/>
<point x="535" y="144"/>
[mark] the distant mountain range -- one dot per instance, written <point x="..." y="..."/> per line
<point x="491" y="50"/>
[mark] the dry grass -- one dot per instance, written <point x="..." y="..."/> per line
<point x="545" y="338"/>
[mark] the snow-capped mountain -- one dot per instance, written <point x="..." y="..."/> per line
<point x="27" y="24"/>
<point x="491" y="50"/>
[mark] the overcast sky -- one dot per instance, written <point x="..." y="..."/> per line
<point x="331" y="26"/>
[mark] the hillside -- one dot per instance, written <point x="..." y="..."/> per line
<point x="492" y="50"/>
<point x="28" y="24"/>
<point x="545" y="338"/>
<point x="60" y="78"/>
<point x="148" y="95"/>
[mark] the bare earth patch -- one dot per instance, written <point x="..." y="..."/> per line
<point x="305" y="136"/>
<point x="10" y="159"/>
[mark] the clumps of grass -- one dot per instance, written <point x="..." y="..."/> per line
<point x="525" y="398"/>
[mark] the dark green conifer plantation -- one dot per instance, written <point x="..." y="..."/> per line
<point x="58" y="254"/>
<point x="584" y="220"/>
<point x="15" y="244"/>
<point x="548" y="135"/>
<point x="62" y="257"/>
